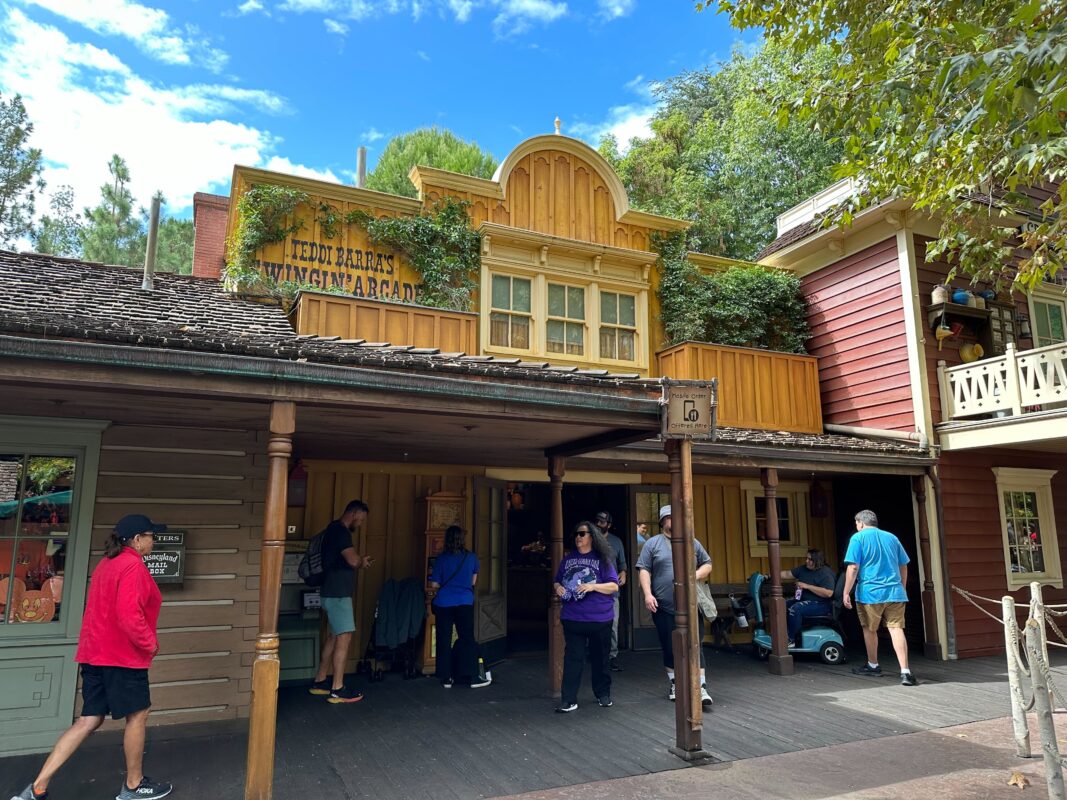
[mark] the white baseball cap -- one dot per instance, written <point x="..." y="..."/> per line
<point x="665" y="511"/>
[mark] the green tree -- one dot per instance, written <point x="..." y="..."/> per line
<point x="174" y="242"/>
<point x="428" y="147"/>
<point x="960" y="106"/>
<point x="112" y="233"/>
<point x="20" y="171"/>
<point x="59" y="233"/>
<point x="718" y="156"/>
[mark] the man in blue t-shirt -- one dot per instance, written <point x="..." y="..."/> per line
<point x="878" y="560"/>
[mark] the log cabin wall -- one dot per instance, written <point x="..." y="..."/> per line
<point x="855" y="309"/>
<point x="211" y="484"/>
<point x="974" y="540"/>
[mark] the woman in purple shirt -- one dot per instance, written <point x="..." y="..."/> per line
<point x="586" y="583"/>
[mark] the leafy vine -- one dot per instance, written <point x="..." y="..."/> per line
<point x="682" y="293"/>
<point x="264" y="216"/>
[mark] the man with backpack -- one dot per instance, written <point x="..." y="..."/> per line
<point x="337" y="573"/>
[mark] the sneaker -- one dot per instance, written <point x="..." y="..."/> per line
<point x="671" y="695"/>
<point x="907" y="679"/>
<point x="344" y="695"/>
<point x="320" y="687"/>
<point x="790" y="644"/>
<point x="705" y="698"/>
<point x="567" y="708"/>
<point x="613" y="664"/>
<point x="605" y="701"/>
<point x="867" y="669"/>
<point x="478" y="683"/>
<point x="29" y="794"/>
<point x="448" y="684"/>
<point x="147" y="789"/>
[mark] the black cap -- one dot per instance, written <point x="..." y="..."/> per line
<point x="133" y="524"/>
<point x="604" y="516"/>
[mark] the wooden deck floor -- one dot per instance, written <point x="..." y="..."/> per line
<point x="414" y="739"/>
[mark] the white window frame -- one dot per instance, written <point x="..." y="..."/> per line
<point x="587" y="291"/>
<point x="797" y="499"/>
<point x="1050" y="294"/>
<point x="1039" y="482"/>
<point x="617" y="326"/>
<point x="531" y="316"/>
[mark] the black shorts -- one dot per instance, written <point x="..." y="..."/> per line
<point x="115" y="690"/>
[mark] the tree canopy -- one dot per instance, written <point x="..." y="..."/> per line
<point x="959" y="106"/>
<point x="20" y="172"/>
<point x="431" y="147"/>
<point x="718" y="156"/>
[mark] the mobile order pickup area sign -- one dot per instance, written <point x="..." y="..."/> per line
<point x="689" y="409"/>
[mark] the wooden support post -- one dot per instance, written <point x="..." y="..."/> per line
<point x="780" y="662"/>
<point x="688" y="712"/>
<point x="556" y="471"/>
<point x="931" y="644"/>
<point x="1011" y="648"/>
<point x="1049" y="749"/>
<point x="263" y="715"/>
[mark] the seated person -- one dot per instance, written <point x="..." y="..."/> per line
<point x="815" y="591"/>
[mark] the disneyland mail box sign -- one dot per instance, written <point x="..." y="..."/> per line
<point x="166" y="562"/>
<point x="690" y="409"/>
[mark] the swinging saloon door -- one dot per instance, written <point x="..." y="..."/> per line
<point x="490" y="544"/>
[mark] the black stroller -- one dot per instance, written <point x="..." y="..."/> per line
<point x="398" y="622"/>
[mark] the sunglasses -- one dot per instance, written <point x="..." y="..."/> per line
<point x="581" y="533"/>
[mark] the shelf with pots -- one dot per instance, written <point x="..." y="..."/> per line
<point x="992" y="326"/>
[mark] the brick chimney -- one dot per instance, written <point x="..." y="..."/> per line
<point x="209" y="239"/>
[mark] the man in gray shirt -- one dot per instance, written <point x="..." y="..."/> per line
<point x="603" y="522"/>
<point x="655" y="572"/>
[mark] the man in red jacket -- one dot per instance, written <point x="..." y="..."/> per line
<point x="115" y="649"/>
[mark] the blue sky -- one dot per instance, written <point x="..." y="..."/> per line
<point x="184" y="90"/>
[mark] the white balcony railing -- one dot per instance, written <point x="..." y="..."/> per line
<point x="1012" y="384"/>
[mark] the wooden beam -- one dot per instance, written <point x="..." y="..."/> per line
<point x="780" y="662"/>
<point x="931" y="643"/>
<point x="263" y="716"/>
<point x="556" y="471"/>
<point x="601" y="441"/>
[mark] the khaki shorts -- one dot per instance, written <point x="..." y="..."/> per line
<point x="873" y="614"/>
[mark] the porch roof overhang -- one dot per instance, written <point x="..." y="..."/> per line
<point x="1045" y="431"/>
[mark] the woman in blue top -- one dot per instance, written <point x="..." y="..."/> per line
<point x="454" y="574"/>
<point x="586" y="583"/>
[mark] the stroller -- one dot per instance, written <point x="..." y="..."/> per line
<point x="822" y="635"/>
<point x="398" y="619"/>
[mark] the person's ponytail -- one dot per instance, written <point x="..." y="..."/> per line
<point x="113" y="546"/>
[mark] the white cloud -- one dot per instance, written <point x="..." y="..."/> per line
<point x="250" y="7"/>
<point x="613" y="9"/>
<point x="422" y="54"/>
<point x="86" y="104"/>
<point x="516" y="16"/>
<point x="335" y="27"/>
<point x="371" y="136"/>
<point x="149" y="28"/>
<point x="284" y="165"/>
<point x="624" y="122"/>
<point x="461" y="9"/>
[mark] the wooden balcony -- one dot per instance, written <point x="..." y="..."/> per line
<point x="757" y="388"/>
<point x="380" y="321"/>
<point x="1014" y="384"/>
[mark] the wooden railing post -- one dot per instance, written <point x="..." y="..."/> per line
<point x="932" y="644"/>
<point x="1013" y="385"/>
<point x="263" y="714"/>
<point x="780" y="662"/>
<point x="945" y="390"/>
<point x="556" y="471"/>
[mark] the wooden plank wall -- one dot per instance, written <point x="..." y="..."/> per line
<point x="389" y="534"/>
<point x="211" y="484"/>
<point x="757" y="388"/>
<point x="553" y="192"/>
<point x="377" y="321"/>
<point x="975" y="543"/>
<point x="856" y="309"/>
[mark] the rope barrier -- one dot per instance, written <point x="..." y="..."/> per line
<point x="967" y="596"/>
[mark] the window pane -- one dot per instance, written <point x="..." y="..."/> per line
<point x="38" y="589"/>
<point x="501" y="292"/>
<point x="554" y="336"/>
<point x="47" y="497"/>
<point x="607" y="343"/>
<point x="627" y="312"/>
<point x="557" y="301"/>
<point x="10" y="490"/>
<point x="520" y="295"/>
<point x="498" y="329"/>
<point x="1057" y="328"/>
<point x="575" y="339"/>
<point x="520" y="333"/>
<point x="609" y="307"/>
<point x="626" y="346"/>
<point x="575" y="303"/>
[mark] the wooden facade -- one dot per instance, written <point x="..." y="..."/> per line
<point x="757" y="388"/>
<point x="860" y="340"/>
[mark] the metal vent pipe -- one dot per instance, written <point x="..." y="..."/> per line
<point x="148" y="282"/>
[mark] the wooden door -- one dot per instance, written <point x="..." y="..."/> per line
<point x="645" y="502"/>
<point x="490" y="533"/>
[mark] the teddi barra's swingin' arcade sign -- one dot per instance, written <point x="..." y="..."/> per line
<point x="689" y="409"/>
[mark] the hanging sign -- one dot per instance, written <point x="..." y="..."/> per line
<point x="689" y="410"/>
<point x="166" y="562"/>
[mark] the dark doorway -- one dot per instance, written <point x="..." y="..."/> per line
<point x="530" y="560"/>
<point x="888" y="496"/>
